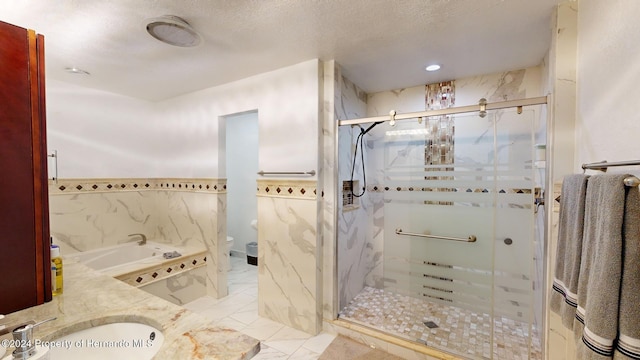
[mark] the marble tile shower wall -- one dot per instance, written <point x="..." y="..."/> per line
<point x="360" y="231"/>
<point x="331" y="97"/>
<point x="87" y="214"/>
<point x="359" y="244"/>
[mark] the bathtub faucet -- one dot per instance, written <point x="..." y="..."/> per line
<point x="143" y="238"/>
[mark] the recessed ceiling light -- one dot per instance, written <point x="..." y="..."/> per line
<point x="75" y="70"/>
<point x="433" y="67"/>
<point x="173" y="31"/>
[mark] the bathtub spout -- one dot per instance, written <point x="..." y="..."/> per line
<point x="143" y="238"/>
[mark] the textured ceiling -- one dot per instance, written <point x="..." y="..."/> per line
<point x="380" y="44"/>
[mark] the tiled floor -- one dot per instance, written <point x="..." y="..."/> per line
<point x="459" y="331"/>
<point x="239" y="311"/>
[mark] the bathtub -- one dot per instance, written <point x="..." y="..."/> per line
<point x="178" y="280"/>
<point x="120" y="258"/>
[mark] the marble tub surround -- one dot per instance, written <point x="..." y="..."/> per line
<point x="181" y="288"/>
<point x="93" y="213"/>
<point x="178" y="280"/>
<point x="160" y="269"/>
<point x="142" y="266"/>
<point x="288" y="260"/>
<point x="92" y="299"/>
<point x="87" y="214"/>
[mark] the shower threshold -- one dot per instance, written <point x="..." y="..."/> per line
<point x="457" y="331"/>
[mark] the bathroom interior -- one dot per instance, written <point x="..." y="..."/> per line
<point x="427" y="237"/>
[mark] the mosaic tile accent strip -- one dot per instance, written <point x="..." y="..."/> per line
<point x="285" y="188"/>
<point x="448" y="328"/>
<point x="441" y="129"/>
<point x="80" y="186"/>
<point x="165" y="270"/>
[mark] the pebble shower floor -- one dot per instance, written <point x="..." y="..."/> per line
<point x="460" y="332"/>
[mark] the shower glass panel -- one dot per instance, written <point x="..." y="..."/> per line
<point x="457" y="237"/>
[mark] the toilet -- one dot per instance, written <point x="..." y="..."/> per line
<point x="229" y="246"/>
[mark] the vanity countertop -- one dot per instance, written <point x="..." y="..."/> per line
<point x="93" y="299"/>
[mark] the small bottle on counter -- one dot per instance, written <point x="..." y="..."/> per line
<point x="56" y="271"/>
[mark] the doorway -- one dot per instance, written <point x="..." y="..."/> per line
<point x="241" y="134"/>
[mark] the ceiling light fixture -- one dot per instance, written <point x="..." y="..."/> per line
<point x="173" y="31"/>
<point x="75" y="70"/>
<point x="433" y="67"/>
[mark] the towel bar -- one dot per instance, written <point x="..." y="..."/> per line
<point x="604" y="165"/>
<point x="471" y="238"/>
<point x="310" y="173"/>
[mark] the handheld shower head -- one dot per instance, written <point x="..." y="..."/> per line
<point x="371" y="127"/>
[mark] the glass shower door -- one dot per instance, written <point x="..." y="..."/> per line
<point x="439" y="227"/>
<point x="514" y="243"/>
<point x="457" y="247"/>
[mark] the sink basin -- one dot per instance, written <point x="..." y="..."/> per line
<point x="121" y="340"/>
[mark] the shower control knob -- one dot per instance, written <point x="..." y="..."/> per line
<point x="508" y="241"/>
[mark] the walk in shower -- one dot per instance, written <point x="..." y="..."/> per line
<point x="437" y="231"/>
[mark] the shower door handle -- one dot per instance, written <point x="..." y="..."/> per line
<point x="471" y="238"/>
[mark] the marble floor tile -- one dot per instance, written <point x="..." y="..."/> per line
<point x="247" y="314"/>
<point x="231" y="324"/>
<point x="304" y="354"/>
<point x="262" y="329"/>
<point x="319" y="342"/>
<point x="228" y="307"/>
<point x="239" y="311"/>
<point x="287" y="340"/>
<point x="267" y="353"/>
<point x="201" y="304"/>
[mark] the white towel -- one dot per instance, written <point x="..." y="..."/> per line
<point x="596" y="325"/>
<point x="569" y="248"/>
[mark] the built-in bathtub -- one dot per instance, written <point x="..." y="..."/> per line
<point x="178" y="279"/>
<point x="121" y="257"/>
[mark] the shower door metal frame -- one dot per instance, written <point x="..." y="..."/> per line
<point x="482" y="106"/>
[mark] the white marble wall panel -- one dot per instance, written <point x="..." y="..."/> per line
<point x="352" y="101"/>
<point x="330" y="187"/>
<point x="359" y="259"/>
<point x="197" y="218"/>
<point x="94" y="220"/>
<point x="86" y="220"/>
<point x="560" y="150"/>
<point x="287" y="268"/>
<point x="401" y="100"/>
<point x="181" y="288"/>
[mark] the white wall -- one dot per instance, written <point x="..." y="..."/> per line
<point x="99" y="134"/>
<point x="287" y="101"/>
<point x="608" y="68"/>
<point x="606" y="92"/>
<point x="104" y="135"/>
<point x="242" y="165"/>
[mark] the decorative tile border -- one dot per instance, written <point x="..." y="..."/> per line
<point x="80" y="186"/>
<point x="286" y="188"/>
<point x="165" y="270"/>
